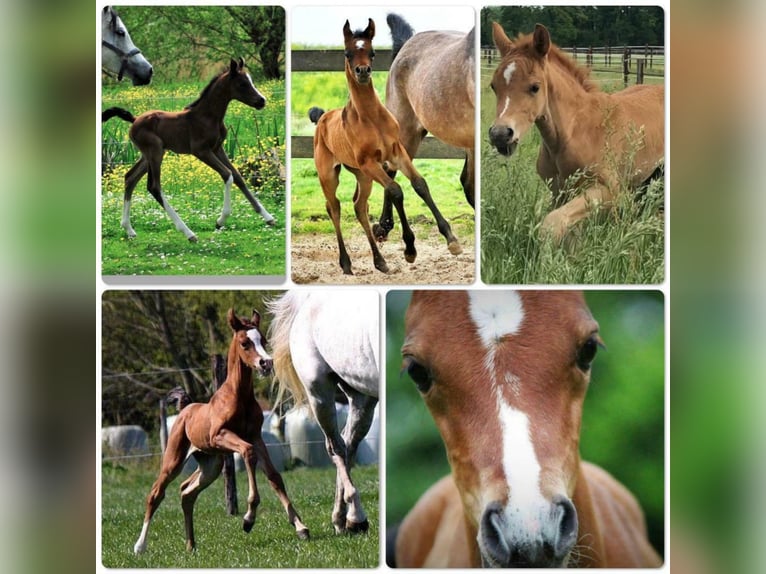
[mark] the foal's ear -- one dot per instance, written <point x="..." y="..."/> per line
<point x="347" y="34"/>
<point x="256" y="319"/>
<point x="241" y="63"/>
<point x="541" y="40"/>
<point x="370" y="30"/>
<point x="502" y="41"/>
<point x="234" y="322"/>
<point x="233" y="66"/>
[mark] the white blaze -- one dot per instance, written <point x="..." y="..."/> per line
<point x="508" y="72"/>
<point x="255" y="336"/>
<point x="498" y="314"/>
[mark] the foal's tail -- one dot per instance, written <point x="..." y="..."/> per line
<point x="179" y="396"/>
<point x="314" y="114"/>
<point x="401" y="31"/>
<point x="121" y="113"/>
<point x="284" y="311"/>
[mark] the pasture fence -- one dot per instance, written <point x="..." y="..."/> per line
<point x="333" y="61"/>
<point x="649" y="60"/>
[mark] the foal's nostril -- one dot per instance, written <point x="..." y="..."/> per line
<point x="567" y="527"/>
<point x="493" y="538"/>
<point x="266" y="364"/>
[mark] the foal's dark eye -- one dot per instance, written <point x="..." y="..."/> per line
<point x="419" y="373"/>
<point x="372" y="54"/>
<point x="587" y="353"/>
<point x="534" y="88"/>
<point x="348" y="54"/>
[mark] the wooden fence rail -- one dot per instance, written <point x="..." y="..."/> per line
<point x="333" y="61"/>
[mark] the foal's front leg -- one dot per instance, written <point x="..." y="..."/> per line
<point x="227" y="440"/>
<point x="239" y="181"/>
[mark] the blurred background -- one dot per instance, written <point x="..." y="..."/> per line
<point x="623" y="427"/>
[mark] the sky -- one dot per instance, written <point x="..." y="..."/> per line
<point x="323" y="26"/>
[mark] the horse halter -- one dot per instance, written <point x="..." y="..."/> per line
<point x="124" y="56"/>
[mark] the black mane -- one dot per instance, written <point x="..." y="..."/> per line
<point x="204" y="92"/>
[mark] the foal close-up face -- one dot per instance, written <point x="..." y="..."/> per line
<point x="252" y="344"/>
<point x="520" y="86"/>
<point x="241" y="85"/>
<point x="359" y="52"/>
<point x="504" y="375"/>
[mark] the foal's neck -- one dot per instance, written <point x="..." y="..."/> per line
<point x="239" y="375"/>
<point x="214" y="103"/>
<point x="362" y="97"/>
<point x="565" y="94"/>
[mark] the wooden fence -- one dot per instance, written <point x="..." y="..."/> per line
<point x="334" y="60"/>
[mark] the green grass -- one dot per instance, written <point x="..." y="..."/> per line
<point x="221" y="542"/>
<point x="625" y="246"/>
<point x="246" y="246"/>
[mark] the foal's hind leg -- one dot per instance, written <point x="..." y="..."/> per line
<point x="467" y="177"/>
<point x="209" y="468"/>
<point x="154" y="157"/>
<point x="132" y="178"/>
<point x="172" y="463"/>
<point x="276" y="482"/>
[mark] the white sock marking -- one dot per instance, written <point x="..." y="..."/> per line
<point x="226" y="210"/>
<point x="140" y="545"/>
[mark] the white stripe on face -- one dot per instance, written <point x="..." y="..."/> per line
<point x="505" y="108"/>
<point x="255" y="336"/>
<point x="359" y="44"/>
<point x="508" y="72"/>
<point x="498" y="314"/>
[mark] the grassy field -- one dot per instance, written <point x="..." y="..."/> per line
<point x="625" y="246"/>
<point x="246" y="246"/>
<point x="221" y="542"/>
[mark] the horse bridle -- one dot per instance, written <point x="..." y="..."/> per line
<point x="124" y="56"/>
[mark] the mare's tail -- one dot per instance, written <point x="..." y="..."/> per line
<point x="179" y="396"/>
<point x="314" y="114"/>
<point x="284" y="311"/>
<point x="401" y="31"/>
<point x="121" y="113"/>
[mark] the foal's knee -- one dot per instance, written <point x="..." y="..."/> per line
<point x="395" y="192"/>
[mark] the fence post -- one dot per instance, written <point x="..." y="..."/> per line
<point x="163" y="425"/>
<point x="625" y="66"/>
<point x="640" y="62"/>
<point x="589" y="58"/>
<point x="229" y="479"/>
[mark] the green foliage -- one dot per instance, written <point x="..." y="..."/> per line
<point x="623" y="420"/>
<point x="221" y="543"/>
<point x="184" y="42"/>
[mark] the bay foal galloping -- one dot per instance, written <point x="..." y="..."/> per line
<point x="230" y="422"/>
<point x="197" y="130"/>
<point x="504" y="375"/>
<point x="364" y="138"/>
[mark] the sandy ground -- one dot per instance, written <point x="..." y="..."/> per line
<point x="315" y="260"/>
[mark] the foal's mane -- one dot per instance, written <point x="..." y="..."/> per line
<point x="524" y="46"/>
<point x="205" y="91"/>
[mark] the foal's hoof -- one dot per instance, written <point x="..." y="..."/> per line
<point x="381" y="266"/>
<point x="193" y="239"/>
<point x="247" y="525"/>
<point x="304" y="534"/>
<point x="357" y="527"/>
<point x="271" y="222"/>
<point x="454" y="247"/>
<point x="380" y="232"/>
<point x="410" y="257"/>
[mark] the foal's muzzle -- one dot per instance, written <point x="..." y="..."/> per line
<point x="265" y="366"/>
<point x="363" y="74"/>
<point x="506" y="545"/>
<point x="504" y="139"/>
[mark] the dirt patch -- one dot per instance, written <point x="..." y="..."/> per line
<point x="315" y="260"/>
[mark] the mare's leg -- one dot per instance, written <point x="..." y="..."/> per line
<point x="361" y="209"/>
<point x="209" y="468"/>
<point x="132" y="178"/>
<point x="421" y="188"/>
<point x="239" y="181"/>
<point x="466" y="177"/>
<point x="227" y="440"/>
<point x="154" y="155"/>
<point x="276" y="482"/>
<point x="360" y="414"/>
<point x="172" y="464"/>
<point x="559" y="221"/>
<point x="374" y="170"/>
<point x="328" y="173"/>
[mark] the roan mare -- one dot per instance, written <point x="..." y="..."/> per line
<point x="324" y="341"/>
<point x="198" y="130"/>
<point x="364" y="138"/>
<point x="431" y="88"/>
<point x="504" y="375"/>
<point x="119" y="55"/>
<point x="230" y="422"/>
<point x="606" y="141"/>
